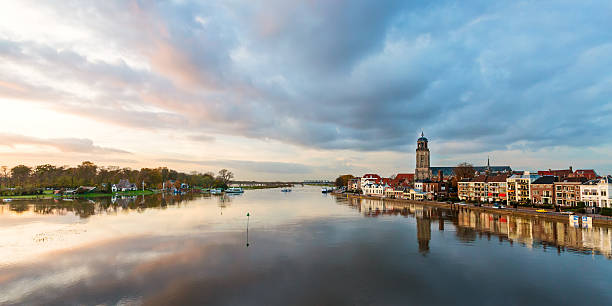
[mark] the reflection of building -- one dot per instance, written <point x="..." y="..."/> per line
<point x="423" y="234"/>
<point x="469" y="223"/>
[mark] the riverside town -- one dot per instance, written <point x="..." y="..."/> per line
<point x="563" y="191"/>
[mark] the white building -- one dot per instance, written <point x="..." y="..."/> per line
<point x="374" y="189"/>
<point x="597" y="193"/>
<point x="369" y="179"/>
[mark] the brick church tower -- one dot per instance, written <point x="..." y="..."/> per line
<point x="422" y="171"/>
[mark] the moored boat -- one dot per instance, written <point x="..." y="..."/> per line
<point x="234" y="190"/>
<point x="286" y="190"/>
<point x="216" y="191"/>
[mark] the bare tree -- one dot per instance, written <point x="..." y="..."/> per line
<point x="464" y="170"/>
<point x="225" y="176"/>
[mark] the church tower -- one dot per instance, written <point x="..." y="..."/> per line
<point x="422" y="171"/>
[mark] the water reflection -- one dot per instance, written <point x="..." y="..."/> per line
<point x="469" y="225"/>
<point x="85" y="208"/>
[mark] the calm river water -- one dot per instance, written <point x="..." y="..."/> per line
<point x="304" y="248"/>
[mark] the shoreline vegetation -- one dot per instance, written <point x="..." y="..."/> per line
<point x="91" y="180"/>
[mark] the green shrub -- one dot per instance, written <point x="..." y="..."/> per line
<point x="606" y="211"/>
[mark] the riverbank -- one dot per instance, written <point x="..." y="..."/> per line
<point x="84" y="195"/>
<point x="521" y="212"/>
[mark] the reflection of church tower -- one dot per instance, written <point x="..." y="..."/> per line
<point x="423" y="234"/>
<point x="422" y="171"/>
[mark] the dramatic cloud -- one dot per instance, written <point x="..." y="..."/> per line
<point x="331" y="75"/>
<point x="74" y="145"/>
<point x="250" y="166"/>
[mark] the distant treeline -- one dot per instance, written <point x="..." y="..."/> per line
<point x="88" y="174"/>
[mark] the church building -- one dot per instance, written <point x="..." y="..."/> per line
<point x="424" y="171"/>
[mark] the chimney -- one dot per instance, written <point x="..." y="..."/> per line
<point x="440" y="176"/>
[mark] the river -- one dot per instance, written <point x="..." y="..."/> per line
<point x="295" y="248"/>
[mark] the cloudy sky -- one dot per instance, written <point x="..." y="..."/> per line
<point x="306" y="89"/>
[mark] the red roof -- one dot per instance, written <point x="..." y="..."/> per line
<point x="560" y="173"/>
<point x="370" y="175"/>
<point x="588" y="173"/>
<point x="405" y="176"/>
<point x="402" y="179"/>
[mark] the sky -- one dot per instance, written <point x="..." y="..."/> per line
<point x="291" y="90"/>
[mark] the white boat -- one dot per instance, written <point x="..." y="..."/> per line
<point x="234" y="190"/>
<point x="325" y="190"/>
<point x="286" y="190"/>
<point x="7" y="200"/>
<point x="216" y="191"/>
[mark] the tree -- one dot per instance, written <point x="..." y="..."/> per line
<point x="20" y="174"/>
<point x="5" y="175"/>
<point x="343" y="180"/>
<point x="464" y="170"/>
<point x="225" y="176"/>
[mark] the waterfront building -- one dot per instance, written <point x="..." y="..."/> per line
<point x="519" y="187"/>
<point x="374" y="189"/>
<point x="123" y="185"/>
<point x="483" y="188"/>
<point x="354" y="184"/>
<point x="567" y="191"/>
<point x="543" y="191"/>
<point x="597" y="192"/>
<point x="368" y="179"/>
<point x="414" y="194"/>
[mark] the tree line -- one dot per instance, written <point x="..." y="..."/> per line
<point x="89" y="174"/>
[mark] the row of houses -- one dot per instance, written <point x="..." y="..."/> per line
<point x="401" y="186"/>
<point x="496" y="184"/>
<point x="522" y="188"/>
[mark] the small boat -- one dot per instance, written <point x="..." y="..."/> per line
<point x="325" y="190"/>
<point x="7" y="200"/>
<point x="234" y="190"/>
<point x="216" y="191"/>
<point x="541" y="210"/>
<point x="286" y="190"/>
